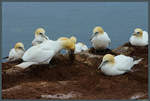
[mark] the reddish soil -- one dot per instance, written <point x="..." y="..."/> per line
<point x="76" y="81"/>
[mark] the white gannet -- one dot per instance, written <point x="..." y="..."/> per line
<point x="44" y="52"/>
<point x="139" y="38"/>
<point x="79" y="47"/>
<point x="117" y="65"/>
<point x="39" y="36"/>
<point x="100" y="39"/>
<point x="16" y="52"/>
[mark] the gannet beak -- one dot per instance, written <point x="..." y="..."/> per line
<point x="71" y="55"/>
<point x="103" y="63"/>
<point x="44" y="36"/>
<point x="92" y="37"/>
<point x="134" y="34"/>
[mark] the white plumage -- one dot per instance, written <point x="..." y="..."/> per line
<point x="117" y="65"/>
<point x="79" y="47"/>
<point x="39" y="39"/>
<point x="16" y="52"/>
<point x="100" y="39"/>
<point x="40" y="54"/>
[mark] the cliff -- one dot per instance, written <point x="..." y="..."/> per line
<point x="77" y="80"/>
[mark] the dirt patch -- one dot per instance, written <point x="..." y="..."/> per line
<point x="78" y="80"/>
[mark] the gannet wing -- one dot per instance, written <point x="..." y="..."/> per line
<point x="124" y="63"/>
<point x="145" y="36"/>
<point x="37" y="54"/>
<point x="107" y="37"/>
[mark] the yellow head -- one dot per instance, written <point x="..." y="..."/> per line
<point x="68" y="44"/>
<point x="138" y="32"/>
<point x="39" y="31"/>
<point x="98" y="30"/>
<point x="107" y="59"/>
<point x="19" y="45"/>
<point x="74" y="39"/>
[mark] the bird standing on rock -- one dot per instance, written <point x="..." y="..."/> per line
<point x="16" y="52"/>
<point x="100" y="40"/>
<point x="44" y="52"/>
<point x="39" y="36"/>
<point x="139" y="38"/>
<point x="117" y="65"/>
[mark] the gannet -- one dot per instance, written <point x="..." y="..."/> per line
<point x="65" y="38"/>
<point x="16" y="52"/>
<point x="44" y="52"/>
<point x="139" y="38"/>
<point x="79" y="47"/>
<point x="117" y="65"/>
<point x="39" y="36"/>
<point x="100" y="39"/>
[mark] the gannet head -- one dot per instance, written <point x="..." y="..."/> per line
<point x="19" y="46"/>
<point x="68" y="44"/>
<point x="108" y="58"/>
<point x="74" y="39"/>
<point x="40" y="32"/>
<point x="98" y="30"/>
<point x="138" y="32"/>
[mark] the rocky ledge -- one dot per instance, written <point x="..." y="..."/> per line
<point x="77" y="80"/>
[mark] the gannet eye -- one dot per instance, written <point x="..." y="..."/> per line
<point x="138" y="32"/>
<point x="40" y="33"/>
<point x="96" y="33"/>
<point x="20" y="47"/>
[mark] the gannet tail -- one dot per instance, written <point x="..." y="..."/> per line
<point x="137" y="61"/>
<point x="25" y="64"/>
